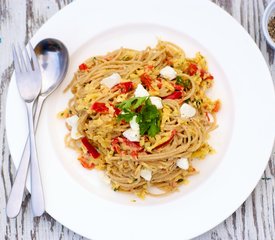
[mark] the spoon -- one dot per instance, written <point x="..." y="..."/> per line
<point x="53" y="58"/>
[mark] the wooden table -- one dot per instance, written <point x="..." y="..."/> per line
<point x="19" y="20"/>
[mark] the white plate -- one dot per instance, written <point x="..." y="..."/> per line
<point x="78" y="198"/>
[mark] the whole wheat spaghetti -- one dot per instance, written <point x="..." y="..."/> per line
<point x="142" y="117"/>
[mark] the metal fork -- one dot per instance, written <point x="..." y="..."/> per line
<point x="29" y="81"/>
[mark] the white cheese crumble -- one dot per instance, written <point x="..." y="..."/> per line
<point x="132" y="134"/>
<point x="210" y="118"/>
<point x="146" y="174"/>
<point x="187" y="111"/>
<point x="73" y="123"/>
<point x="157" y="102"/>
<point x="183" y="163"/>
<point x="112" y="80"/>
<point x="168" y="72"/>
<point x="133" y="124"/>
<point x="141" y="91"/>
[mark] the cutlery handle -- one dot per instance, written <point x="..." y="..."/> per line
<point x="37" y="198"/>
<point x="37" y="111"/>
<point x="17" y="191"/>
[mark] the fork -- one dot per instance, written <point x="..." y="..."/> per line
<point x="29" y="82"/>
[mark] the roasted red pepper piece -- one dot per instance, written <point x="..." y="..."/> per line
<point x="90" y="148"/>
<point x="210" y="77"/>
<point x="135" y="145"/>
<point x="83" y="67"/>
<point x="159" y="83"/>
<point x="150" y="67"/>
<point x="217" y="106"/>
<point x="85" y="164"/>
<point x="178" y="87"/>
<point x="100" y="107"/>
<point x="169" y="140"/>
<point x="174" y="95"/>
<point x="124" y="87"/>
<point x="115" y="145"/>
<point x="205" y="75"/>
<point x="117" y="110"/>
<point x="134" y="154"/>
<point x="146" y="80"/>
<point x="192" y="69"/>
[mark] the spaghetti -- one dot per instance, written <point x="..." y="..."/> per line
<point x="142" y="117"/>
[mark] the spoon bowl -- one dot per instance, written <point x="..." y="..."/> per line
<point x="53" y="58"/>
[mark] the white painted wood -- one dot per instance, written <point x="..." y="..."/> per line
<point x="19" y="20"/>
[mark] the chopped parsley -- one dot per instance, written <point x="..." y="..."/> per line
<point x="126" y="116"/>
<point x="187" y="100"/>
<point x="185" y="83"/>
<point x="148" y="117"/>
<point x="132" y="103"/>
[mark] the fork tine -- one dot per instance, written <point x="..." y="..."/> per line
<point x="15" y="60"/>
<point x="35" y="63"/>
<point x="22" y="59"/>
<point x="28" y="61"/>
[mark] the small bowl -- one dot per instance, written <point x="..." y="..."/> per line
<point x="268" y="13"/>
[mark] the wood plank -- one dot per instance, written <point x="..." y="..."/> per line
<point x="255" y="219"/>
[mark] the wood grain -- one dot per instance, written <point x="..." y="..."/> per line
<point x="255" y="219"/>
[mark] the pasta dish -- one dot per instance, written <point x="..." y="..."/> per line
<point x="142" y="117"/>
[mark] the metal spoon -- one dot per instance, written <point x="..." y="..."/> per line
<point x="53" y="58"/>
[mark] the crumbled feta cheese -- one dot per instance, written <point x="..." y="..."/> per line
<point x="133" y="124"/>
<point x="141" y="91"/>
<point x="146" y="174"/>
<point x="187" y="111"/>
<point x="183" y="163"/>
<point x="168" y="72"/>
<point x="210" y="118"/>
<point x="157" y="102"/>
<point x="131" y="135"/>
<point x="73" y="123"/>
<point x="112" y="80"/>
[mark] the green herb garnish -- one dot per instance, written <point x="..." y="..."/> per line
<point x="149" y="119"/>
<point x="132" y="103"/>
<point x="185" y="83"/>
<point x="179" y="80"/>
<point x="127" y="116"/>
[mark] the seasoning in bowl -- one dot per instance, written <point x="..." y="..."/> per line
<point x="271" y="28"/>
